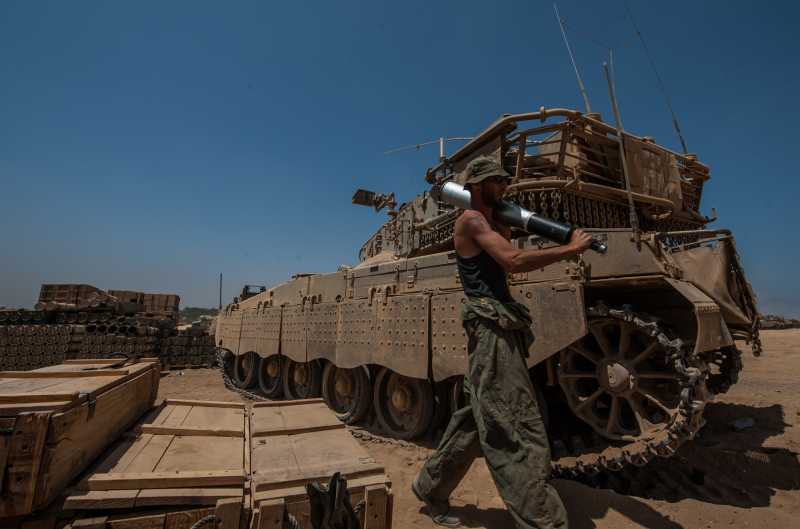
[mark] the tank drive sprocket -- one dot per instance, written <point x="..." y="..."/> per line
<point x="640" y="389"/>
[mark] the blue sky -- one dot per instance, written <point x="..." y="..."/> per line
<point x="152" y="145"/>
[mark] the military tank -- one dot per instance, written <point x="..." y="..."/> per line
<point x="630" y="345"/>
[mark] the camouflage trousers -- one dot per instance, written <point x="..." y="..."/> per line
<point x="502" y="421"/>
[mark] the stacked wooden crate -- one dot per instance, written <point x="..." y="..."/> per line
<point x="193" y="459"/>
<point x="189" y="460"/>
<point x="301" y="441"/>
<point x="56" y="420"/>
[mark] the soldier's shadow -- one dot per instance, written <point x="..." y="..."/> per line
<point x="584" y="506"/>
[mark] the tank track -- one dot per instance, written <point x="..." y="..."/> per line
<point x="224" y="361"/>
<point x="684" y="424"/>
<point x="728" y="362"/>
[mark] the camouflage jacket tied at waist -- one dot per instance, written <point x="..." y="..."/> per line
<point x="507" y="316"/>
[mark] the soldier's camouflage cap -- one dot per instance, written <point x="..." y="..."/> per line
<point x="482" y="168"/>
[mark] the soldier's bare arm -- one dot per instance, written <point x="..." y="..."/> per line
<point x="515" y="260"/>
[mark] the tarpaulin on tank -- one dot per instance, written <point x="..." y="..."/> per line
<point x="653" y="171"/>
<point x="715" y="270"/>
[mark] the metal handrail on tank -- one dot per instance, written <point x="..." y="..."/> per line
<point x="580" y="137"/>
<point x="510" y="120"/>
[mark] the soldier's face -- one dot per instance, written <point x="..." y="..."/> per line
<point x="492" y="190"/>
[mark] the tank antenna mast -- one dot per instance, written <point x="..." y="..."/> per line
<point x="658" y="78"/>
<point x="634" y="220"/>
<point x="441" y="141"/>
<point x="572" y="58"/>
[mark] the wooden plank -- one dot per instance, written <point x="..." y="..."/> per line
<point x="78" y="435"/>
<point x="102" y="499"/>
<point x="149" y="456"/>
<point x="389" y="507"/>
<point x="88" y="387"/>
<point x="186" y="519"/>
<point x="98" y="361"/>
<point x="277" y="479"/>
<point x="202" y="454"/>
<point x="300" y="429"/>
<point x="271" y="455"/>
<point x="120" y="461"/>
<point x="13" y="386"/>
<point x="65" y="374"/>
<point x="111" y="458"/>
<point x="161" y="413"/>
<point x="248" y="444"/>
<point x="206" y="403"/>
<point x="183" y="430"/>
<point x="187" y="496"/>
<point x="280" y="461"/>
<point x="176" y="416"/>
<point x="218" y="418"/>
<point x="375" y="509"/>
<point x="315" y="414"/>
<point x="165" y="480"/>
<point x="271" y="403"/>
<point x="270" y="514"/>
<point x="98" y="522"/>
<point x="21" y="398"/>
<point x="11" y="410"/>
<point x="297" y="491"/>
<point x="229" y="512"/>
<point x="5" y="445"/>
<point x="151" y="521"/>
<point x="24" y="461"/>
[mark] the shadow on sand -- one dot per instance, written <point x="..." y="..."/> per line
<point x="584" y="506"/>
<point x="721" y="465"/>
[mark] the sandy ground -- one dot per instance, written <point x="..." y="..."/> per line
<point x="725" y="478"/>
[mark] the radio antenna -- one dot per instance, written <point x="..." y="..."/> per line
<point x="441" y="141"/>
<point x="634" y="220"/>
<point x="658" y="78"/>
<point x="572" y="58"/>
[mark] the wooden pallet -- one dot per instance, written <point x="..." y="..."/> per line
<point x="297" y="442"/>
<point x="54" y="421"/>
<point x="192" y="459"/>
<point x="189" y="459"/>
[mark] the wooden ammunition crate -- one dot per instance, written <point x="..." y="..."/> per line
<point x="67" y="293"/>
<point x="190" y="459"/>
<point x="56" y="420"/>
<point x="297" y="442"/>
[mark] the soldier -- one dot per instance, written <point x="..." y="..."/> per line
<point x="501" y="418"/>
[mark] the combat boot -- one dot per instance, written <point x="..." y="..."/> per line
<point x="437" y="510"/>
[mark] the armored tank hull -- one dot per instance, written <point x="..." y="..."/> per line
<point x="629" y="345"/>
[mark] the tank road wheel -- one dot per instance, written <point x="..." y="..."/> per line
<point x="245" y="369"/>
<point x="269" y="376"/>
<point x="618" y="381"/>
<point x="301" y="380"/>
<point x="347" y="392"/>
<point x="403" y="405"/>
